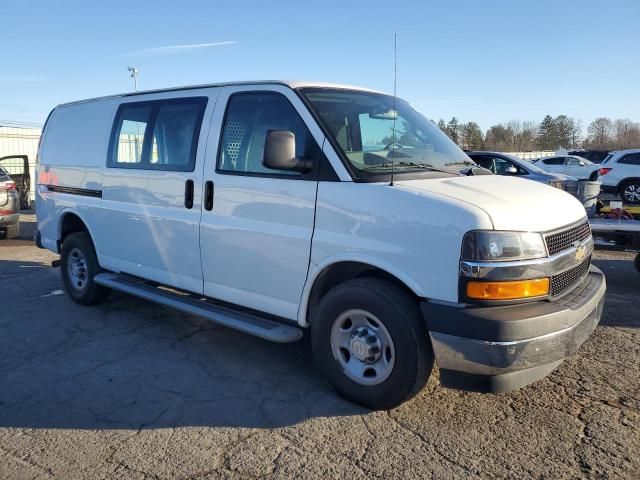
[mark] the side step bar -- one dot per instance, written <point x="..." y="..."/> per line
<point x="245" y="322"/>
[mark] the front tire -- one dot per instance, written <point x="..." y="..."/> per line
<point x="371" y="343"/>
<point x="630" y="192"/>
<point x="78" y="265"/>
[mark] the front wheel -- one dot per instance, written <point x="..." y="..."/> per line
<point x="78" y="265"/>
<point x="630" y="191"/>
<point x="371" y="343"/>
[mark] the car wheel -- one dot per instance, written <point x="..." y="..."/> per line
<point x="630" y="191"/>
<point x="371" y="343"/>
<point x="78" y="265"/>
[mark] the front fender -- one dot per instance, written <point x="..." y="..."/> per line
<point x="315" y="270"/>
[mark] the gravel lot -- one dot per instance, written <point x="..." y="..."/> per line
<point x="134" y="390"/>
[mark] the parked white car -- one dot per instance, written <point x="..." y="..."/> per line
<point x="273" y="207"/>
<point x="572" y="165"/>
<point x="620" y="175"/>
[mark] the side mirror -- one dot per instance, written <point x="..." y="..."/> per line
<point x="511" y="170"/>
<point x="582" y="164"/>
<point x="280" y="152"/>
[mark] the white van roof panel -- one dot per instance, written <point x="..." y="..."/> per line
<point x="294" y="84"/>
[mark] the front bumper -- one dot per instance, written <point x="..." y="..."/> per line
<point x="9" y="219"/>
<point x="501" y="348"/>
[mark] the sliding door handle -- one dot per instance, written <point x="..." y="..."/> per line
<point x="208" y="195"/>
<point x="188" y="194"/>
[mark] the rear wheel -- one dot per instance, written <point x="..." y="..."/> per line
<point x="78" y="265"/>
<point x="371" y="343"/>
<point x="630" y="191"/>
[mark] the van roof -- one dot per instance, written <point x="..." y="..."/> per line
<point x="294" y="84"/>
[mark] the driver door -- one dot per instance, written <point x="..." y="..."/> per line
<point x="257" y="223"/>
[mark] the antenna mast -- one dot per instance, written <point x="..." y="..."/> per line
<point x="395" y="112"/>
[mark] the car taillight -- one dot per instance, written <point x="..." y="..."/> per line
<point x="604" y="171"/>
<point x="8" y="185"/>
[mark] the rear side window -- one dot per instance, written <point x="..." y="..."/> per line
<point x="630" y="159"/>
<point x="554" y="161"/>
<point x="157" y="135"/>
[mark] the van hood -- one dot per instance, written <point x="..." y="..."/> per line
<point x="511" y="203"/>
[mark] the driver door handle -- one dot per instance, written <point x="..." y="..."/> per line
<point x="188" y="194"/>
<point x="208" y="195"/>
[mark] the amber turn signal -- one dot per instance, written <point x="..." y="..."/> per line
<point x="536" y="287"/>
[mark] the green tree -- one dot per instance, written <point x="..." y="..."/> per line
<point x="453" y="130"/>
<point x="471" y="136"/>
<point x="547" y="134"/>
<point x="567" y="131"/>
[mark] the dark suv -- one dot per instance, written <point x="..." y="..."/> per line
<point x="9" y="206"/>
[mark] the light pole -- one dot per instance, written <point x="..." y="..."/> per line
<point x="133" y="72"/>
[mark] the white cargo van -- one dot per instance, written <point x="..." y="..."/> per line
<point x="274" y="207"/>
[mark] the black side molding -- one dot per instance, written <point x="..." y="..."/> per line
<point x="86" y="192"/>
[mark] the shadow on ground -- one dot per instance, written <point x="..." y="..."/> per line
<point x="133" y="364"/>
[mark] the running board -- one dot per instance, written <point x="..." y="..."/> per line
<point x="197" y="305"/>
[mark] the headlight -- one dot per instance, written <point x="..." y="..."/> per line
<point x="497" y="246"/>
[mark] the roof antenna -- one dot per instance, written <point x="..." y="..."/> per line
<point x="395" y="112"/>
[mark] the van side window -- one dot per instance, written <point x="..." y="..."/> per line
<point x="157" y="135"/>
<point x="133" y="125"/>
<point x="248" y="119"/>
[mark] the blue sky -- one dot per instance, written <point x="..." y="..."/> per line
<point x="488" y="61"/>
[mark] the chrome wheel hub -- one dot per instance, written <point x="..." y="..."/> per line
<point x="363" y="347"/>
<point x="632" y="193"/>
<point x="77" y="269"/>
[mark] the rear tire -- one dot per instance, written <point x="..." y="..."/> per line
<point x="630" y="191"/>
<point x="370" y="341"/>
<point x="78" y="266"/>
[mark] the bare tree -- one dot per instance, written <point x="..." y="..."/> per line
<point x="627" y="134"/>
<point x="528" y="136"/>
<point x="600" y="134"/>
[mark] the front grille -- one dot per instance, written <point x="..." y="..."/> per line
<point x="564" y="281"/>
<point x="558" y="241"/>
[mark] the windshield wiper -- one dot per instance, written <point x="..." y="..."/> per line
<point x="424" y="166"/>
<point x="462" y="162"/>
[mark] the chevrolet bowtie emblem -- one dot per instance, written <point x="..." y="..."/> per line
<point x="581" y="252"/>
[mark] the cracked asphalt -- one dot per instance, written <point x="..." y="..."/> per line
<point x="133" y="390"/>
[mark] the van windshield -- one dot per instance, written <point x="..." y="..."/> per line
<point x="374" y="136"/>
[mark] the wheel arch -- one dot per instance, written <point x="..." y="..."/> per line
<point x="626" y="180"/>
<point x="336" y="271"/>
<point x="71" y="221"/>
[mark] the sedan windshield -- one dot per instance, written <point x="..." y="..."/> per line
<point x="374" y="133"/>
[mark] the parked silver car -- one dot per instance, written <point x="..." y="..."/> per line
<point x="503" y="164"/>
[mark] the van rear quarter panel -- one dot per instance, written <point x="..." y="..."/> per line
<point x="72" y="154"/>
